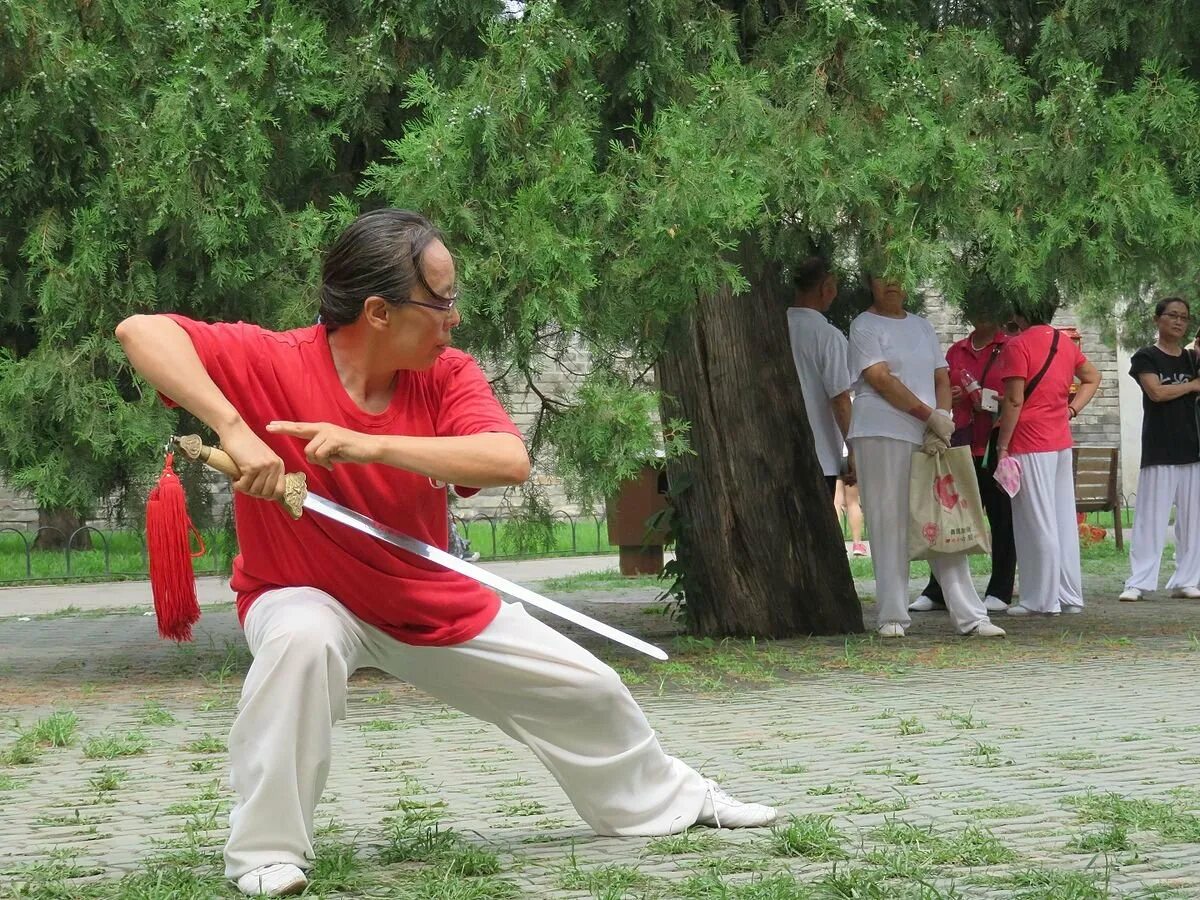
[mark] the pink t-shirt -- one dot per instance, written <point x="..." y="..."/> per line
<point x="1044" y="425"/>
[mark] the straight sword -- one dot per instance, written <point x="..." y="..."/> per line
<point x="298" y="498"/>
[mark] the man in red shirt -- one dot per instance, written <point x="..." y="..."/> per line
<point x="975" y="373"/>
<point x="381" y="414"/>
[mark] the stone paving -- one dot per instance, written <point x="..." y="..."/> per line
<point x="1005" y="747"/>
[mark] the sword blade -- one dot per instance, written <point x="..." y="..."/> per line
<point x="357" y="521"/>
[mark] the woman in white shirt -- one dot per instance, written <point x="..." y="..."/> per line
<point x="901" y="405"/>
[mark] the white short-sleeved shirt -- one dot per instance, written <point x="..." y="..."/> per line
<point x="819" y="352"/>
<point x="912" y="352"/>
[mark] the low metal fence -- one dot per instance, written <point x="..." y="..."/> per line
<point x="121" y="554"/>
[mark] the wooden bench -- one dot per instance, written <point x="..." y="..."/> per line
<point x="1095" y="470"/>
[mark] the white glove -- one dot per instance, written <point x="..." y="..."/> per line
<point x="938" y="429"/>
<point x="941" y="423"/>
<point x="933" y="444"/>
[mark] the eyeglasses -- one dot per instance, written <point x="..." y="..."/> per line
<point x="444" y="304"/>
<point x="1178" y="317"/>
<point x="1011" y="328"/>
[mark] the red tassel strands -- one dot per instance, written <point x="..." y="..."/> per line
<point x="172" y="579"/>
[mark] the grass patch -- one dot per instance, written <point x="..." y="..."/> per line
<point x="114" y="746"/>
<point x="108" y="779"/>
<point x="999" y="811"/>
<point x="972" y="846"/>
<point x="1113" y="839"/>
<point x="206" y="744"/>
<point x="601" y="580"/>
<point x="336" y="868"/>
<point x="415" y="842"/>
<point x="1039" y="883"/>
<point x="694" y="841"/>
<point x="154" y="714"/>
<point x="1169" y="819"/>
<point x="57" y="730"/>
<point x="381" y="725"/>
<point x="861" y="804"/>
<point x="24" y="751"/>
<point x="810" y="836"/>
<point x="613" y="880"/>
<point x="524" y="808"/>
<point x="911" y="726"/>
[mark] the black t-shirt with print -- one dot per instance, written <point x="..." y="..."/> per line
<point x="1169" y="430"/>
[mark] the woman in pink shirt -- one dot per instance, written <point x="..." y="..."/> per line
<point x="1040" y="366"/>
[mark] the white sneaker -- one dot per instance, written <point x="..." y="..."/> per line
<point x="1071" y="610"/>
<point x="1018" y="610"/>
<point x="924" y="604"/>
<point x="274" y="880"/>
<point x="1130" y="595"/>
<point x="1190" y="592"/>
<point x="994" y="604"/>
<point x="987" y="629"/>
<point x="722" y="811"/>
<point x="891" y="630"/>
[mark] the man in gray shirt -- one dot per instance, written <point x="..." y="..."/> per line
<point x="819" y="351"/>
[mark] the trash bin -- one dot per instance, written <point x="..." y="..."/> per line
<point x="637" y="499"/>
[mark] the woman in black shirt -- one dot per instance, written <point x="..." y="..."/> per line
<point x="1170" y="475"/>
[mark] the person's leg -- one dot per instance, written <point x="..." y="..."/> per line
<point x="576" y="716"/>
<point x="1187" y="527"/>
<point x="854" y="514"/>
<point x="1035" y="529"/>
<point x="884" y="466"/>
<point x="1156" y="492"/>
<point x="962" y="600"/>
<point x="998" y="507"/>
<point x="932" y="594"/>
<point x="1070" y="572"/>
<point x="305" y="646"/>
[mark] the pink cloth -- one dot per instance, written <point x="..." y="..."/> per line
<point x="1008" y="475"/>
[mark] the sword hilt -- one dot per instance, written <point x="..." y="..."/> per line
<point x="295" y="485"/>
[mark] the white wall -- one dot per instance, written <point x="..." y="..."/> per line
<point x="1131" y="428"/>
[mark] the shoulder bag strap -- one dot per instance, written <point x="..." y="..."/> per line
<point x="1031" y="386"/>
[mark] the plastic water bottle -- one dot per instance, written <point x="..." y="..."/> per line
<point x="971" y="386"/>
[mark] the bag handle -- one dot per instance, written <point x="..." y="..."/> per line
<point x="1033" y="382"/>
<point x="987" y="366"/>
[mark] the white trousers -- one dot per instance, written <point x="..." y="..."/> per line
<point x="546" y="691"/>
<point x="1160" y="488"/>
<point x="1047" y="533"/>
<point x="884" y="469"/>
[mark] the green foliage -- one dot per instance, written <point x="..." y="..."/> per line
<point x="594" y="165"/>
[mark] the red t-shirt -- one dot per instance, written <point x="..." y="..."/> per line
<point x="1044" y="425"/>
<point x="963" y="356"/>
<point x="290" y="376"/>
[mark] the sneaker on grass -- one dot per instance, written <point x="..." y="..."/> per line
<point x="722" y="811"/>
<point x="273" y="880"/>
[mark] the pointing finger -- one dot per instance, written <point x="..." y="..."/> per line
<point x="294" y="429"/>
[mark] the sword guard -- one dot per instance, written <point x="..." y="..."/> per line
<point x="295" y="484"/>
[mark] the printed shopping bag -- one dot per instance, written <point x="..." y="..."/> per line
<point x="945" y="513"/>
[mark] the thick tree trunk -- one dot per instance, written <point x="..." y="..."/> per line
<point x="56" y="527"/>
<point x="761" y="549"/>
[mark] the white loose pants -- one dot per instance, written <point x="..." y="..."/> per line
<point x="884" y="469"/>
<point x="539" y="687"/>
<point x="1160" y="488"/>
<point x="1047" y="533"/>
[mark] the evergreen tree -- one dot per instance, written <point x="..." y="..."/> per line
<point x="631" y="178"/>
